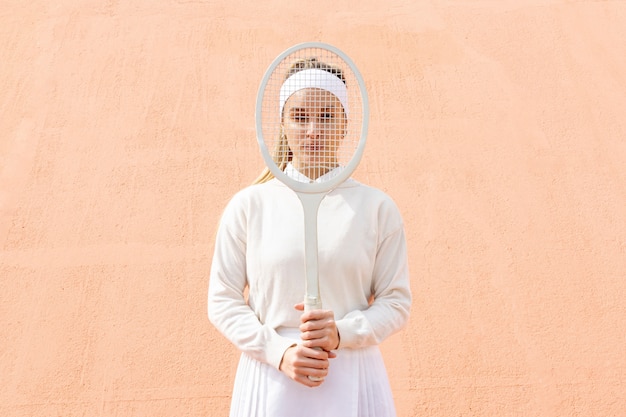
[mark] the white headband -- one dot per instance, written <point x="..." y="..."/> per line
<point x="314" y="78"/>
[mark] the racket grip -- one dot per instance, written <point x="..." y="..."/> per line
<point x="312" y="303"/>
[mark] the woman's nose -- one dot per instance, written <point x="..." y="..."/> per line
<point x="312" y="129"/>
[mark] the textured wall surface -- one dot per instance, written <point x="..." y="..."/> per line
<point x="497" y="126"/>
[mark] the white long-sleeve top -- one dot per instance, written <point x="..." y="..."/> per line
<point x="260" y="244"/>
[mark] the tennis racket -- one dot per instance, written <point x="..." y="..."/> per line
<point x="312" y="116"/>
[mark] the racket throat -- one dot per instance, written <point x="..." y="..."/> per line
<point x="310" y="205"/>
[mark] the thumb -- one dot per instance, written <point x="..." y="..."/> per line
<point x="299" y="306"/>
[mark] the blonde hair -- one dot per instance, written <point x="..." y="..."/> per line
<point x="282" y="154"/>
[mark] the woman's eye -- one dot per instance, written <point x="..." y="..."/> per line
<point x="327" y="116"/>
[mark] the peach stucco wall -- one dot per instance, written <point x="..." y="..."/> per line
<point x="497" y="126"/>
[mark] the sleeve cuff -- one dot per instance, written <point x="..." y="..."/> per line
<point x="276" y="350"/>
<point x="355" y="331"/>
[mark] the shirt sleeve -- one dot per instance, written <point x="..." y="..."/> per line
<point x="227" y="307"/>
<point x="392" y="296"/>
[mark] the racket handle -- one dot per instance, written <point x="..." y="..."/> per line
<point x="312" y="303"/>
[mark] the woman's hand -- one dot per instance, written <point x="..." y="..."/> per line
<point x="320" y="337"/>
<point x="299" y="362"/>
<point x="318" y="329"/>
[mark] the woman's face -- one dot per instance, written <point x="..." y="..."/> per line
<point x="314" y="123"/>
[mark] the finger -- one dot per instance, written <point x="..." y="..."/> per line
<point x="310" y="357"/>
<point x="314" y="374"/>
<point x="313" y="358"/>
<point x="316" y="334"/>
<point x="311" y="383"/>
<point x="318" y="374"/>
<point x="316" y="315"/>
<point x="324" y="344"/>
<point x="326" y="324"/>
<point x="299" y="306"/>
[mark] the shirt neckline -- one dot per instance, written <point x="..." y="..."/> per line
<point x="293" y="173"/>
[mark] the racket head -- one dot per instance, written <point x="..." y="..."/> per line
<point x="305" y="113"/>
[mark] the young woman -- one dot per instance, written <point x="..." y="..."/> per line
<point x="322" y="362"/>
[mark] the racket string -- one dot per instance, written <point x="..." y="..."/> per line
<point x="315" y="130"/>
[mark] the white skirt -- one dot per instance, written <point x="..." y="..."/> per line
<point x="356" y="386"/>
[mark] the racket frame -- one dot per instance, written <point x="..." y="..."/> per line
<point x="312" y="194"/>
